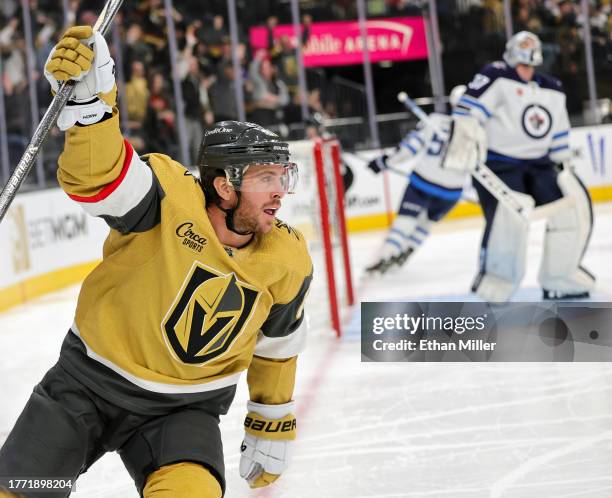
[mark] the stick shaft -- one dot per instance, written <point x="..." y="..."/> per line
<point x="48" y="120"/>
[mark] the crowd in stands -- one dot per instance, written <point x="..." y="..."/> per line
<point x="204" y="65"/>
<point x="472" y="33"/>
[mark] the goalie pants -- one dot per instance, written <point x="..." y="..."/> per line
<point x="539" y="180"/>
<point x="65" y="427"/>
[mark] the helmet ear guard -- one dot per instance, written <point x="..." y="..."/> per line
<point x="523" y="48"/>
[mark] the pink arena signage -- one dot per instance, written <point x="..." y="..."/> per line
<point x="340" y="43"/>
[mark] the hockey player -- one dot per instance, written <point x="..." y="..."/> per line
<point x="199" y="281"/>
<point x="527" y="130"/>
<point x="431" y="193"/>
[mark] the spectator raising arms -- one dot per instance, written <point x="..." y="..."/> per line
<point x="270" y="93"/>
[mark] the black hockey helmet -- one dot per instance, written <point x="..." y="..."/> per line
<point x="230" y="148"/>
<point x="234" y="145"/>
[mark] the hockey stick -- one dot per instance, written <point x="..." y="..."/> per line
<point x="48" y="120"/>
<point x="481" y="172"/>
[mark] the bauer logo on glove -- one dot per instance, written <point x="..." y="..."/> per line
<point x="268" y="442"/>
<point x="271" y="429"/>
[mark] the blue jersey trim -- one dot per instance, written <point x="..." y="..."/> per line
<point x="408" y="146"/>
<point x="460" y="112"/>
<point x="557" y="149"/>
<point x="474" y="103"/>
<point x="561" y="134"/>
<point x="434" y="190"/>
<point x="415" y="135"/>
<point x="494" y="156"/>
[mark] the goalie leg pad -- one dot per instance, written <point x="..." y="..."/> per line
<point x="567" y="235"/>
<point x="503" y="259"/>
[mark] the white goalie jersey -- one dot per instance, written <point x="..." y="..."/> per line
<point x="426" y="148"/>
<point x="524" y="121"/>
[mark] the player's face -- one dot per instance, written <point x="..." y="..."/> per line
<point x="261" y="195"/>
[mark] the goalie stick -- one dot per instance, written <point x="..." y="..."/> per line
<point x="48" y="120"/>
<point x="481" y="172"/>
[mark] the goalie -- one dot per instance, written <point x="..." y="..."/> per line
<point x="435" y="183"/>
<point x="199" y="282"/>
<point x="527" y="127"/>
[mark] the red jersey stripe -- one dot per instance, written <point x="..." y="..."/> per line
<point x="111" y="187"/>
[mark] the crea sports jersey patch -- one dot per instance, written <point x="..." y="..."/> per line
<point x="190" y="237"/>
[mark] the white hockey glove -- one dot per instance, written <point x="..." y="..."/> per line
<point x="467" y="146"/>
<point x="268" y="442"/>
<point x="83" y="56"/>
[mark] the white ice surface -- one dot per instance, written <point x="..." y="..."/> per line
<point x="393" y="430"/>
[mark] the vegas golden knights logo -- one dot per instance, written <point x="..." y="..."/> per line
<point x="208" y="315"/>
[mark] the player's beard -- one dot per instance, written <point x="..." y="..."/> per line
<point x="247" y="218"/>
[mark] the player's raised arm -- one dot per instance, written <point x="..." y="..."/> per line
<point x="98" y="167"/>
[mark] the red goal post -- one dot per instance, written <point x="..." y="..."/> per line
<point x="317" y="210"/>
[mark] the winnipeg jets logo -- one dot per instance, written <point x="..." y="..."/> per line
<point x="536" y="121"/>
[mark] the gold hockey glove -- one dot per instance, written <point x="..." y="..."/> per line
<point x="268" y="442"/>
<point x="83" y="56"/>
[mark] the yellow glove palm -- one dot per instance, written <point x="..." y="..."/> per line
<point x="71" y="59"/>
<point x="83" y="56"/>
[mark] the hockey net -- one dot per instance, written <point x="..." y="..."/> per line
<point x="317" y="210"/>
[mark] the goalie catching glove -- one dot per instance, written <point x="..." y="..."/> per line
<point x="83" y="56"/>
<point x="268" y="442"/>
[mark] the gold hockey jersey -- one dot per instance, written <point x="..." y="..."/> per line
<point x="170" y="309"/>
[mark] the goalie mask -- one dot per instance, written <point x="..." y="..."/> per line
<point x="523" y="48"/>
<point x="253" y="158"/>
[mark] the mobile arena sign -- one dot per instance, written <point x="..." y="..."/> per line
<point x="340" y="43"/>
